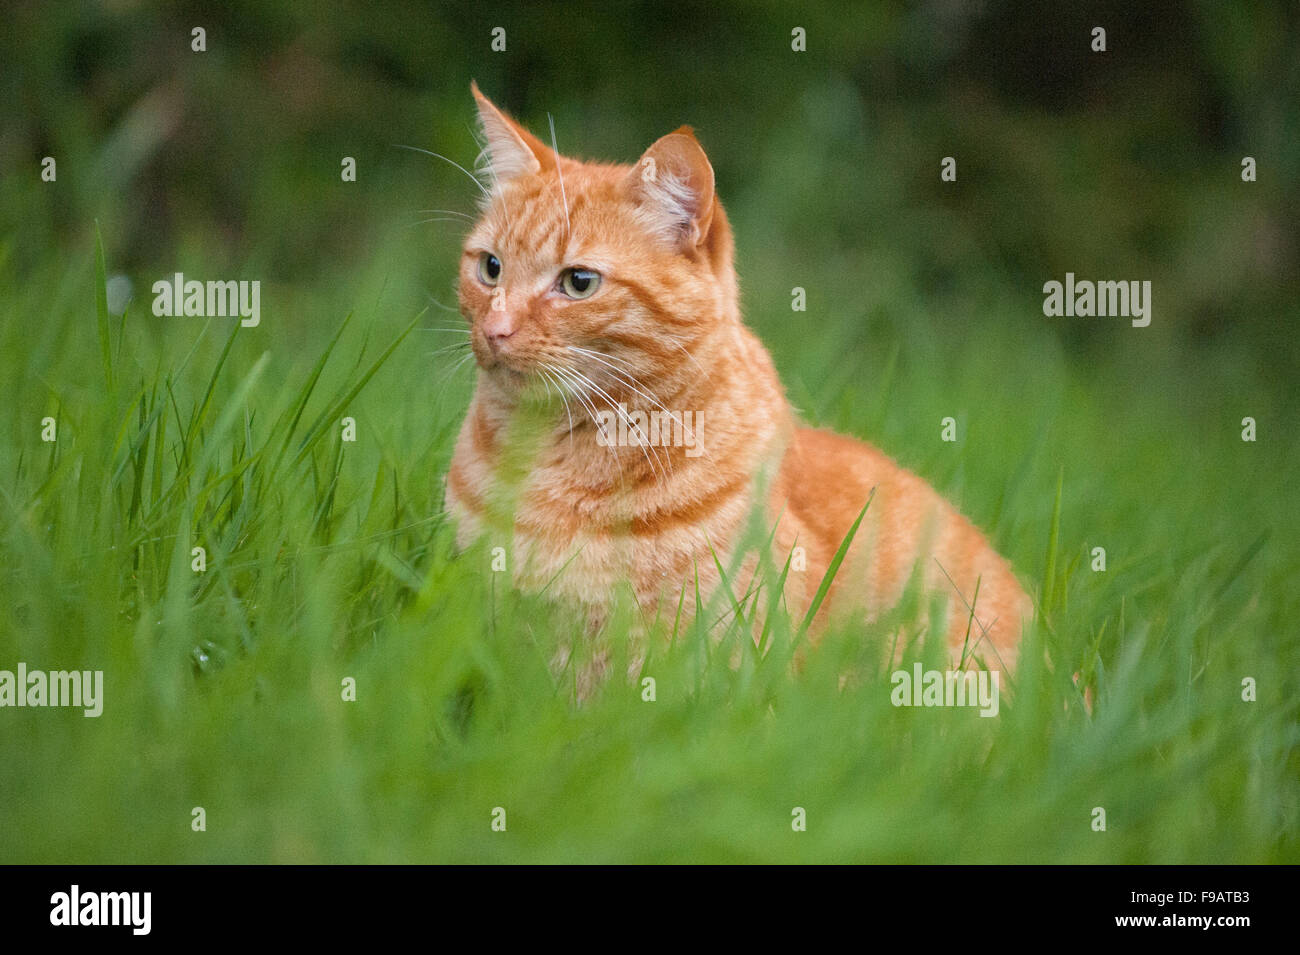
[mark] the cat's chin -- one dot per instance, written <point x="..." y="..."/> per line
<point x="509" y="381"/>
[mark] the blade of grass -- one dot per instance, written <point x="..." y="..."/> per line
<point x="101" y="309"/>
<point x="318" y="427"/>
<point x="305" y="393"/>
<point x="824" y="587"/>
<point x="1048" y="602"/>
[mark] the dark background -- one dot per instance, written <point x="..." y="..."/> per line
<point x="1124" y="164"/>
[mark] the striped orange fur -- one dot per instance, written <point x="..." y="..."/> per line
<point x="662" y="332"/>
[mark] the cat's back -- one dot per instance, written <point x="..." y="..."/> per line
<point x="825" y="480"/>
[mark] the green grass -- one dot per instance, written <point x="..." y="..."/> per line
<point x="328" y="560"/>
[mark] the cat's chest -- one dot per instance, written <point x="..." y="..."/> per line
<point x="558" y="529"/>
<point x="579" y="551"/>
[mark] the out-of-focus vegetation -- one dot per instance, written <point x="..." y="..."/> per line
<point x="924" y="300"/>
<point x="1117" y="164"/>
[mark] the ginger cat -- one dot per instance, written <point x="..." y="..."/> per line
<point x="602" y="296"/>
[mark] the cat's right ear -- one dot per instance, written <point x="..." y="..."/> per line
<point x="511" y="150"/>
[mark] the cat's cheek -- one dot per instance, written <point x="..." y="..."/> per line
<point x="474" y="298"/>
<point x="471" y="303"/>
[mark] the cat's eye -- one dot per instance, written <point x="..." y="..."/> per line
<point x="489" y="268"/>
<point x="579" y="283"/>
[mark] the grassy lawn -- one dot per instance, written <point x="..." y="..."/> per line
<point x="328" y="560"/>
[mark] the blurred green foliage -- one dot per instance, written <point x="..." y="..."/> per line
<point x="924" y="301"/>
<point x="1124" y="164"/>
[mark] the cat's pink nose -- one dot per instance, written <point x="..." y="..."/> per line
<point x="497" y="328"/>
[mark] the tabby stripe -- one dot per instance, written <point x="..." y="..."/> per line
<point x="483" y="435"/>
<point x="692" y="512"/>
<point x="466" y="495"/>
<point x="644" y="296"/>
<point x="651" y="346"/>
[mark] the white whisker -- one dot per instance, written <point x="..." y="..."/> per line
<point x="412" y="225"/>
<point x="449" y="348"/>
<point x="588" y="406"/>
<point x="546" y="376"/>
<point x="446" y="212"/>
<point x="680" y="348"/>
<point x="631" y="381"/>
<point x="483" y="163"/>
<point x="445" y="308"/>
<point x="473" y="178"/>
<point x="628" y="379"/>
<point x="568" y="230"/>
<point x="644" y="443"/>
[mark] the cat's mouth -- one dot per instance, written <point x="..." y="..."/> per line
<point x="512" y="368"/>
<point x="493" y="358"/>
<point x="502" y="363"/>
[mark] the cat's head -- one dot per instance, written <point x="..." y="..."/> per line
<point x="593" y="275"/>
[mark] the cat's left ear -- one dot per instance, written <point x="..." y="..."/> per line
<point x="511" y="150"/>
<point x="673" y="184"/>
